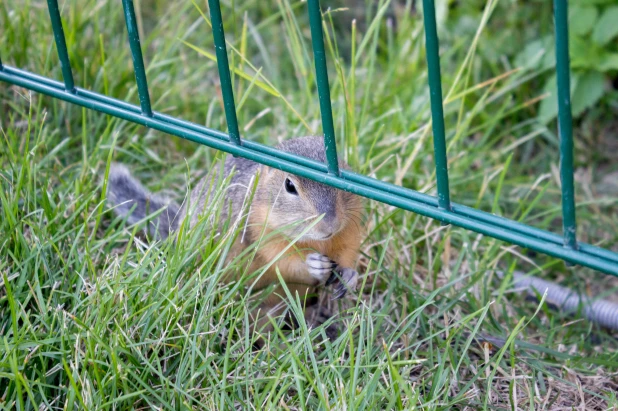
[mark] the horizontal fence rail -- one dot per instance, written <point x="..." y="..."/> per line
<point x="441" y="208"/>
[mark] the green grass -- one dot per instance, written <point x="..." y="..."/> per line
<point x="94" y="316"/>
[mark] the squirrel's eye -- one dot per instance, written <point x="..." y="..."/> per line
<point x="289" y="187"/>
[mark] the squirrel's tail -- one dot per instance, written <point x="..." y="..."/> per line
<point x="130" y="198"/>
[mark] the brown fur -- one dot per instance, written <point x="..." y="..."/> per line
<point x="272" y="212"/>
<point x="275" y="218"/>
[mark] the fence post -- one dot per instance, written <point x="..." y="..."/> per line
<point x="565" y="123"/>
<point x="224" y="71"/>
<point x="321" y="73"/>
<point x="61" y="45"/>
<point x="138" y="59"/>
<point x="437" y="112"/>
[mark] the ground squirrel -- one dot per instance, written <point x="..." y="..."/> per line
<point x="326" y="254"/>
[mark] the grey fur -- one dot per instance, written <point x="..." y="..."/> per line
<point x="286" y="210"/>
<point x="203" y="193"/>
<point x="124" y="192"/>
<point x="131" y="199"/>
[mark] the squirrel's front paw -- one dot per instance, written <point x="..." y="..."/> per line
<point x="348" y="279"/>
<point x="320" y="266"/>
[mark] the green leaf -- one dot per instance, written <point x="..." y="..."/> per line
<point x="586" y="90"/>
<point x="441" y="14"/>
<point x="548" y="109"/>
<point x="537" y="54"/>
<point x="591" y="2"/>
<point x="609" y="62"/>
<point x="584" y="55"/>
<point x="590" y="88"/>
<point x="582" y="19"/>
<point x="530" y="55"/>
<point x="607" y="26"/>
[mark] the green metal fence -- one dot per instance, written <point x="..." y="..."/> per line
<point x="441" y="208"/>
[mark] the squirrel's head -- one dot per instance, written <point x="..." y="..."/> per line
<point x="295" y="202"/>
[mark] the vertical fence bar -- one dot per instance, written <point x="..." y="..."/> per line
<point x="565" y="123"/>
<point x="319" y="55"/>
<point x="61" y="45"/>
<point x="437" y="112"/>
<point x="138" y="59"/>
<point x="224" y="71"/>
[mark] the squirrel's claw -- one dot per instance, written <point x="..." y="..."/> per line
<point x="327" y="272"/>
<point x="320" y="267"/>
<point x="340" y="292"/>
<point x="348" y="279"/>
<point x="331" y="279"/>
